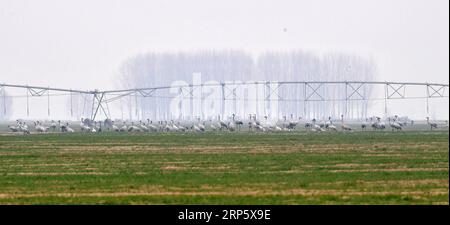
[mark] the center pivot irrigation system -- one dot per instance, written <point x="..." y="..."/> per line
<point x="310" y="92"/>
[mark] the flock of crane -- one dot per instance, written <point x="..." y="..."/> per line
<point x="231" y="125"/>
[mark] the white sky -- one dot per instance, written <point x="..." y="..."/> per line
<point x="80" y="44"/>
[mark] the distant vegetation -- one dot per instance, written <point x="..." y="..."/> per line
<point x="156" y="69"/>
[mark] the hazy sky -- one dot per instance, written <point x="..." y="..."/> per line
<point x="82" y="43"/>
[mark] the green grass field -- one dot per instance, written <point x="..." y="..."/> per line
<point x="244" y="168"/>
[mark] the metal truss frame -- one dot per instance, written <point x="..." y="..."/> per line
<point x="311" y="92"/>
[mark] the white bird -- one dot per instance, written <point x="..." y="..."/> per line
<point x="66" y="128"/>
<point x="39" y="128"/>
<point x="292" y="123"/>
<point x="124" y="127"/>
<point x="231" y="126"/>
<point x="13" y="128"/>
<point x="133" y="128"/>
<point x="332" y="127"/>
<point x="98" y="127"/>
<point x="201" y="125"/>
<point x="150" y="126"/>
<point x="237" y="123"/>
<point x="170" y="127"/>
<point x="53" y="125"/>
<point x="221" y="124"/>
<point x="256" y="124"/>
<point x="142" y="126"/>
<point x="197" y="129"/>
<point x="24" y="128"/>
<point x="260" y="128"/>
<point x="275" y="128"/>
<point x="270" y="126"/>
<point x="315" y="127"/>
<point x="329" y="125"/>
<point x="83" y="126"/>
<point x="173" y="127"/>
<point x="115" y="128"/>
<point x="394" y="125"/>
<point x="378" y="125"/>
<point x="213" y="127"/>
<point x="69" y="129"/>
<point x="182" y="128"/>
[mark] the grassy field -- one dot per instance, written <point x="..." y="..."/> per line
<point x="244" y="168"/>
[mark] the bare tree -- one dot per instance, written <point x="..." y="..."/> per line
<point x="161" y="69"/>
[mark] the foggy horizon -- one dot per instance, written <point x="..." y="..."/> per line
<point x="83" y="44"/>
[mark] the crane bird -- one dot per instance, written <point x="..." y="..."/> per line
<point x="161" y="125"/>
<point x="84" y="125"/>
<point x="260" y="128"/>
<point x="170" y="127"/>
<point x="394" y="125"/>
<point x="196" y="128"/>
<point x="13" y="128"/>
<point x="53" y="125"/>
<point x="289" y="126"/>
<point x="200" y="124"/>
<point x="250" y="123"/>
<point x="432" y="125"/>
<point x="308" y="125"/>
<point x="271" y="127"/>
<point x="344" y="126"/>
<point x="322" y="124"/>
<point x="253" y="123"/>
<point x="213" y="127"/>
<point x="114" y="127"/>
<point x="133" y="128"/>
<point x="86" y="121"/>
<point x="315" y="127"/>
<point x="365" y="124"/>
<point x="398" y="120"/>
<point x="222" y="124"/>
<point x="124" y="127"/>
<point x="231" y="126"/>
<point x="330" y="125"/>
<point x="238" y="123"/>
<point x="40" y="128"/>
<point x="150" y="126"/>
<point x="66" y="129"/>
<point x="20" y="127"/>
<point x="23" y="127"/>
<point x="274" y="128"/>
<point x="378" y="125"/>
<point x="142" y="126"/>
<point x="183" y="128"/>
